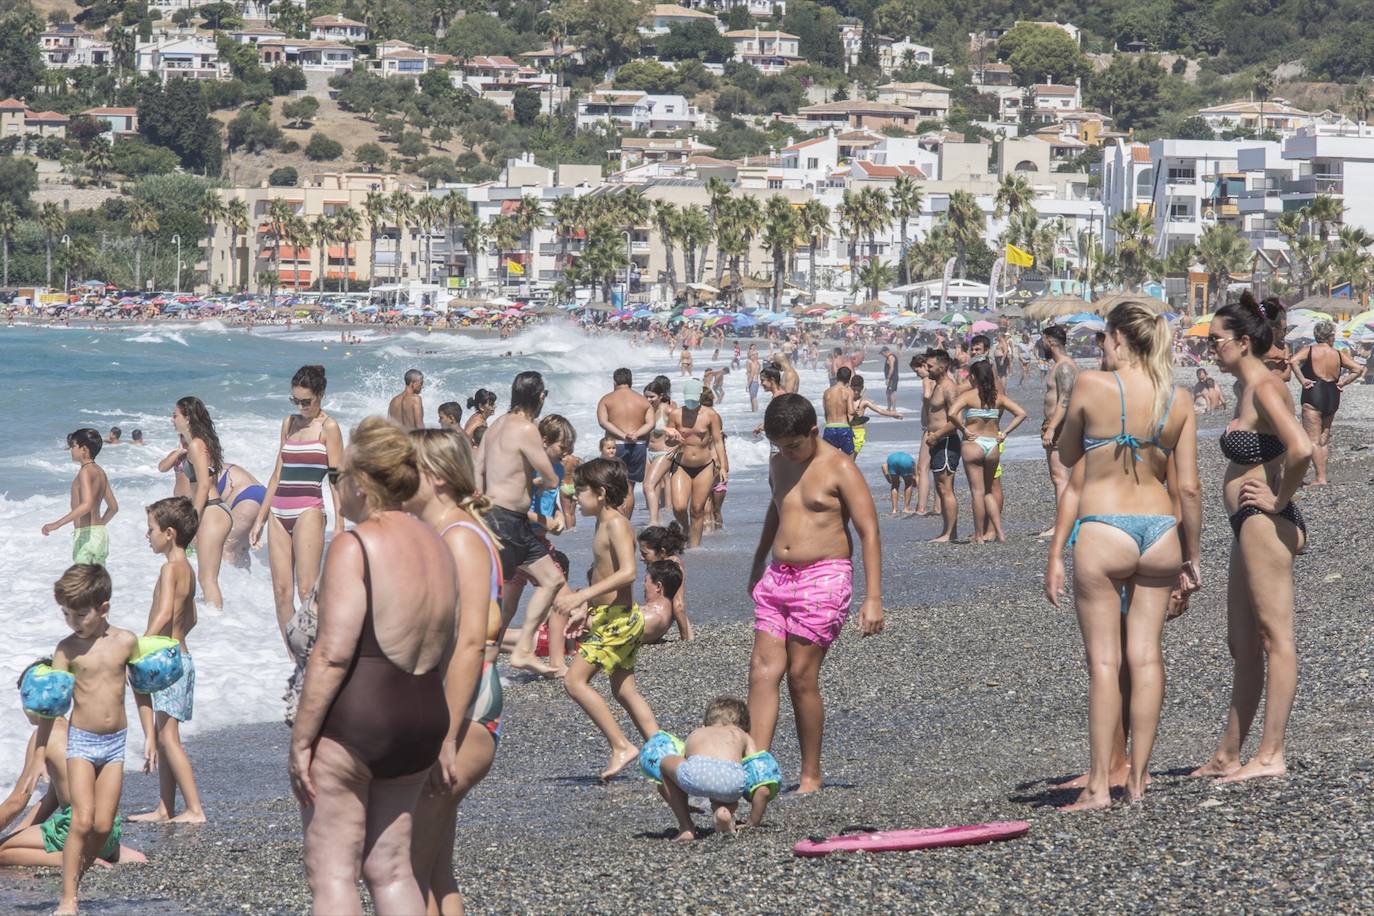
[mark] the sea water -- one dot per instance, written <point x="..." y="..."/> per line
<point x="55" y="380"/>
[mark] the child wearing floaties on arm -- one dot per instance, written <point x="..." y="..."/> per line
<point x="718" y="762"/>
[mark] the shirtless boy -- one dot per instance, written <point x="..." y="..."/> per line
<point x="172" y="524"/>
<point x="838" y="401"/>
<point x="407" y="409"/>
<point x="1058" y="388"/>
<point x="90" y="490"/>
<point x="98" y="655"/>
<point x="802" y="598"/>
<point x="604" y="614"/>
<point x="923" y="479"/>
<point x="511" y="456"/>
<point x="944" y="452"/>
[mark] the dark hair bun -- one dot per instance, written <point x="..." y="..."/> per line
<point x="310" y="378"/>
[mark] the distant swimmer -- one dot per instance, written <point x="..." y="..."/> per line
<point x="138" y="437"/>
<point x="114" y="437"/>
<point x="90" y="490"/>
<point x="407" y="409"/>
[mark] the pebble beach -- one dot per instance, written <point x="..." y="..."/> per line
<point x="969" y="707"/>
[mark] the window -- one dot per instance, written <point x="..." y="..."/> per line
<point x="1025" y="165"/>
<point x="1183" y="173"/>
<point x="1180" y="212"/>
<point x="1145" y="184"/>
<point x="813" y="163"/>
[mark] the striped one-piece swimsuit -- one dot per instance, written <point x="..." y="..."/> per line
<point x="300" y="487"/>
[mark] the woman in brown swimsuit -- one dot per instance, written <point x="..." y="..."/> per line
<point x="372" y="715"/>
<point x="699" y="464"/>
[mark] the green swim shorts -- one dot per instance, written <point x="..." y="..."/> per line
<point x="91" y="545"/>
<point x="56" y="827"/>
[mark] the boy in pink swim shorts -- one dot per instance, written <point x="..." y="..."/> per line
<point x="801" y="598"/>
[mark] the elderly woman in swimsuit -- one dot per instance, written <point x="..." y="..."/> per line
<point x="1319" y="366"/>
<point x="447" y="500"/>
<point x="659" y="394"/>
<point x="977" y="413"/>
<point x="373" y="716"/>
<point x="1132" y="430"/>
<point x="203" y="465"/>
<point x="1269" y="454"/>
<point x="311" y="447"/>
<point x="699" y="463"/>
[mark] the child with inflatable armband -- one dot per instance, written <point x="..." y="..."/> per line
<point x="100" y="657"/>
<point x="172" y="524"/>
<point x="718" y="762"/>
<point x="45" y="694"/>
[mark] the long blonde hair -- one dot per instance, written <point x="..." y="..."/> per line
<point x="1150" y="342"/>
<point x="445" y="454"/>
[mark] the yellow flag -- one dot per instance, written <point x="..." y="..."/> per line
<point x="514" y="268"/>
<point x="1018" y="257"/>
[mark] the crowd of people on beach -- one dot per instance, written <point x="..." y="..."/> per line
<point x="395" y="624"/>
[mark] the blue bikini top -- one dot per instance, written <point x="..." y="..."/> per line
<point x="1125" y="439"/>
<point x="982" y="413"/>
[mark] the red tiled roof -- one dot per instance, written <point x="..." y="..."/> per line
<point x="46" y="116"/>
<point x="13" y="105"/>
<point x="873" y="170"/>
<point x="125" y="112"/>
<point x="1140" y="154"/>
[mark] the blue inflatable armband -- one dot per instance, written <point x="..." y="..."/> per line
<point x="761" y="770"/>
<point x="156" y="664"/>
<point x="654" y="750"/>
<point x="47" y="692"/>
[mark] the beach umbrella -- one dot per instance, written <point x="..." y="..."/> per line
<point x="1301" y="314"/>
<point x="744" y="321"/>
<point x="1091" y="326"/>
<point x="954" y="318"/>
<point x="1052" y="307"/>
<point x="1105" y="304"/>
<point x="429" y="313"/>
<point x="980" y="327"/>
<point x="1199" y="330"/>
<point x="368" y="310"/>
<point x="1079" y="318"/>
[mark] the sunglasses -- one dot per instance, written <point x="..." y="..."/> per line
<point x="1215" y="341"/>
<point x="302" y="402"/>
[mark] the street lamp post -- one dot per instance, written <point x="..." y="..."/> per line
<point x="629" y="263"/>
<point x="177" y="239"/>
<point x="67" y="269"/>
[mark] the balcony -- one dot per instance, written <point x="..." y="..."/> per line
<point x="1312" y="185"/>
<point x="1260" y="200"/>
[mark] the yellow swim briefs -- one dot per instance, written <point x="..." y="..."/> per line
<point x="613" y="635"/>
<point x="91" y="545"/>
<point x="1001" y="447"/>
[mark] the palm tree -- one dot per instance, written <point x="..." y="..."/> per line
<point x="814" y="217"/>
<point x="348" y="228"/>
<point x="906" y="198"/>
<point x="666" y="217"/>
<point x="236" y="219"/>
<point x="211" y="209"/>
<point x="298" y="236"/>
<point x="964" y="220"/>
<point x="9" y="221"/>
<point x="694" y="231"/>
<point x="719" y="193"/>
<point x="401" y="206"/>
<point x="529" y="216"/>
<point x="604" y="256"/>
<point x="321" y="234"/>
<point x="1013" y="193"/>
<point x="1134" y="250"/>
<point x="876" y="274"/>
<point x="279" y="215"/>
<point x="1290" y="224"/>
<point x="748" y="217"/>
<point x="506" y="234"/>
<point x="376" y="207"/>
<point x="1323" y="212"/>
<point x="850" y="214"/>
<point x="76" y="258"/>
<point x="566" y="213"/>
<point x="474" y="234"/>
<point x="780" y="228"/>
<point x="1222" y="253"/>
<point x="429" y="211"/>
<point x="1360" y="101"/>
<point x="53" y="220"/>
<point x="99" y="159"/>
<point x="452" y="206"/>
<point x="875" y="216"/>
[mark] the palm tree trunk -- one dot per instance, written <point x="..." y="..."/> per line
<point x="778" y="267"/>
<point x="6" y="243"/>
<point x="906" y="270"/>
<point x="138" y="263"/>
<point x="671" y="265"/>
<point x="372" y="257"/>
<point x="811" y="271"/>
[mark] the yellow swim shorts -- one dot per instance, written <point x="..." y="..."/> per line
<point x="91" y="545"/>
<point x="613" y="635"/>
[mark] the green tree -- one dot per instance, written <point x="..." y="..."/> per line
<point x="212" y="211"/>
<point x="666" y="217"/>
<point x="1013" y="193"/>
<point x="875" y="275"/>
<point x="280" y="213"/>
<point x="99" y="159"/>
<point x="21" y="67"/>
<point x="411" y="145"/>
<point x="370" y="157"/>
<point x="322" y="148"/>
<point x="53" y="219"/>
<point x="781" y="228"/>
<point x="144" y="222"/>
<point x="1223" y="254"/>
<point x="9" y="222"/>
<point x="376" y="209"/>
<point x="850" y="214"/>
<point x="322" y="232"/>
<point x="525" y="105"/>
<point x="696" y="40"/>
<point x="648" y="76"/>
<point x="236" y="220"/>
<point x="964" y="221"/>
<point x="607" y="30"/>
<point x="1039" y="54"/>
<point x="814" y="217"/>
<point x="906" y="199"/>
<point x="402" y="208"/>
<point x="348" y="228"/>
<point x="1129" y="90"/>
<point x="284" y="177"/>
<point x="299" y="111"/>
<point x="1322" y="213"/>
<point x="1133" y="254"/>
<point x="694" y="231"/>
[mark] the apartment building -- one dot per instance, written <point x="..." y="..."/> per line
<point x="337" y="27"/>
<point x="858" y="114"/>
<point x="1338" y="166"/>
<point x="318" y="55"/>
<point x="65" y="46"/>
<point x="766" y="51"/>
<point x="927" y="99"/>
<point x="194" y="57"/>
<point x="1270" y="115"/>
<point x="640" y="111"/>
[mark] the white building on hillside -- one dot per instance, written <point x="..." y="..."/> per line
<point x="639" y="111"/>
<point x="767" y="51"/>
<point x="1274" y="115"/>
<point x="337" y="27"/>
<point x="66" y="46"/>
<point x="195" y="58"/>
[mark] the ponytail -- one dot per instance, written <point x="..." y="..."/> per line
<point x="1148" y="338"/>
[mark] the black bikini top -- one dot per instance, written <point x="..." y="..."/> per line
<point x="1244" y="446"/>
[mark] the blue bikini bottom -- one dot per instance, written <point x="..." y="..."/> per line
<point x="1145" y="530"/>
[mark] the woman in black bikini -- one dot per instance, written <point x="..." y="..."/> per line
<point x="1269" y="454"/>
<point x="1319" y="367"/>
<point x="373" y="716"/>
<point x="699" y="463"/>
<point x="203" y="464"/>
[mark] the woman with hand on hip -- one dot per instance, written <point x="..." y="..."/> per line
<point x="1322" y="369"/>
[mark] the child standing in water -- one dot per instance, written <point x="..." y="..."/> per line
<point x="604" y="614"/>
<point x="802" y="598"/>
<point x="172" y="524"/>
<point x="98" y="655"/>
<point x="90" y="489"/>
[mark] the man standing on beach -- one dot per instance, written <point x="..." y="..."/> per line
<point x="838" y="401"/>
<point x="890" y="377"/>
<point x="624" y="415"/>
<point x="751" y="377"/>
<point x="944" y="452"/>
<point x="1058" y="387"/>
<point x="510" y="457"/>
<point x="407" y="410"/>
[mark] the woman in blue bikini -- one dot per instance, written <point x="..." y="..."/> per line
<point x="977" y="413"/>
<point x="1134" y="432"/>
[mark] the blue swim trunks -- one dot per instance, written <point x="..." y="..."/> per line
<point x="710" y="777"/>
<point x="901" y="464"/>
<point x="98" y="749"/>
<point x="177" y="700"/>
<point x="840" y="435"/>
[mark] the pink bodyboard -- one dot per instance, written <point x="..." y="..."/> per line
<point x="901" y="840"/>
